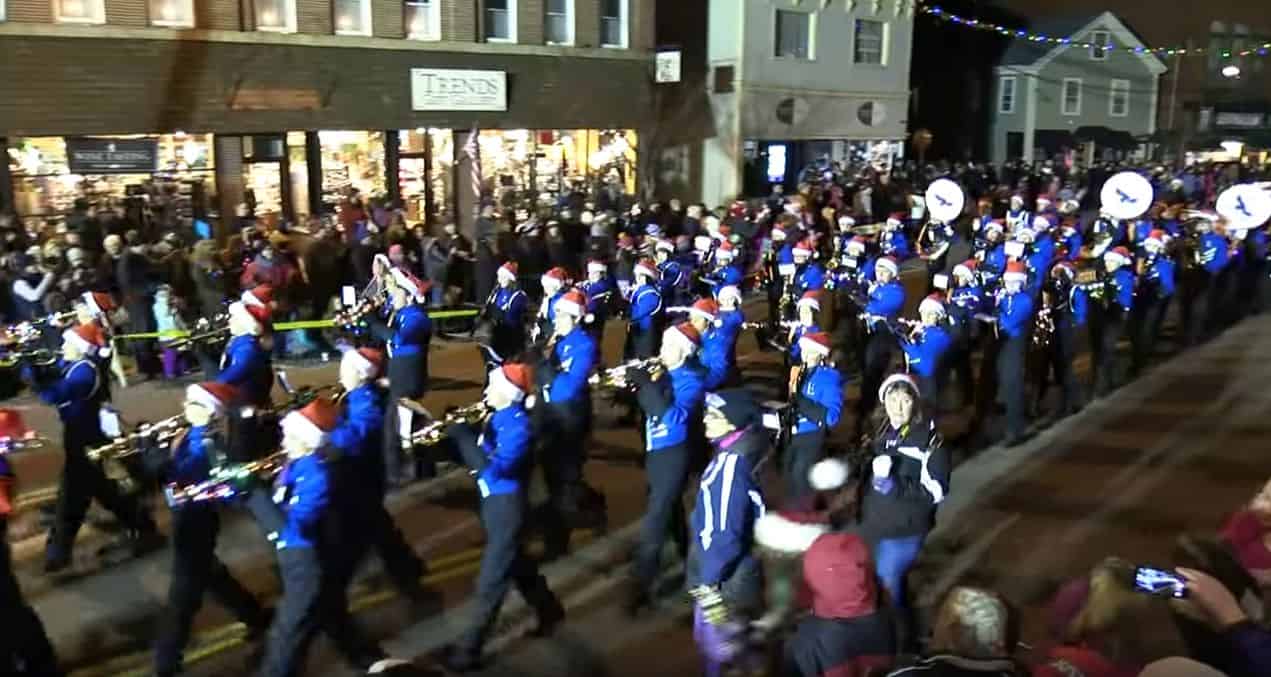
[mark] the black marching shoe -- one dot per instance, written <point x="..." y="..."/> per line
<point x="549" y="617"/>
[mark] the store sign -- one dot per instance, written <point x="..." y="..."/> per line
<point x="443" y="89"/>
<point x="88" y="155"/>
<point x="1239" y="120"/>
<point x="667" y="66"/>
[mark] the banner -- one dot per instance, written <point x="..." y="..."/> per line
<point x="89" y="155"/>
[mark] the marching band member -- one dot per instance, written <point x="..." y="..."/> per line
<point x="671" y="275"/>
<point x="966" y="300"/>
<point x="884" y="303"/>
<point x="645" y="325"/>
<point x="1156" y="288"/>
<point x="310" y="522"/>
<point x="1068" y="304"/>
<point x="599" y="289"/>
<point x="725" y="273"/>
<point x="357" y="437"/>
<point x="195" y="567"/>
<point x="926" y="349"/>
<point x="862" y="270"/>
<point x="78" y="394"/>
<point x="910" y="479"/>
<point x="719" y="342"/>
<point x="1017" y="217"/>
<point x="779" y="265"/>
<point x="625" y="259"/>
<point x="564" y="414"/>
<point x="806" y="310"/>
<point x="993" y="256"/>
<point x="24" y="646"/>
<point x="1206" y="306"/>
<point x="811" y="274"/>
<point x="499" y="459"/>
<point x="672" y="404"/>
<point x="702" y="314"/>
<point x="406" y="335"/>
<point x="1013" y="318"/>
<point x="1118" y="298"/>
<point x="893" y="241"/>
<point x="507" y="312"/>
<point x="248" y="365"/>
<point x="1070" y="239"/>
<point x="554" y="284"/>
<point x="1043" y="243"/>
<point x="818" y="404"/>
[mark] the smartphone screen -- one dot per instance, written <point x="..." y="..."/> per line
<point x="1159" y="582"/>
<point x="348" y="296"/>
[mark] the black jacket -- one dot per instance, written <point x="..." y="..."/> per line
<point x="957" y="666"/>
<point x="840" y="647"/>
<point x="904" y="503"/>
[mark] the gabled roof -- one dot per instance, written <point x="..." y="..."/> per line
<point x="1032" y="55"/>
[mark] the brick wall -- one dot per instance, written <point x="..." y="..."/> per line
<point x="459" y="20"/>
<point x="314" y="16"/>
<point x="35" y="11"/>
<point x="529" y="22"/>
<point x="57" y="86"/>
<point x="587" y="23"/>
<point x="221" y="15"/>
<point x="127" y="12"/>
<point x="643" y="25"/>
<point x="387" y="17"/>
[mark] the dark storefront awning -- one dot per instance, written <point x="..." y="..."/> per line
<point x="1054" y="140"/>
<point x="1105" y="137"/>
<point x="1252" y="138"/>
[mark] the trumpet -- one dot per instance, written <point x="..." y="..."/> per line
<point x="13" y="445"/>
<point x="435" y="431"/>
<point x="39" y="357"/>
<point x="616" y="377"/>
<point x="160" y="433"/>
<point x="221" y="484"/>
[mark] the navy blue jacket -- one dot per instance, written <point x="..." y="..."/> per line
<point x="729" y="500"/>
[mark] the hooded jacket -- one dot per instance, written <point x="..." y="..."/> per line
<point x="904" y="503"/>
<point x="728" y="503"/>
<point x="847" y="634"/>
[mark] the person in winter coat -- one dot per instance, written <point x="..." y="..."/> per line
<point x="848" y="633"/>
<point x="209" y="278"/>
<point x="910" y="479"/>
<point x="1248" y="643"/>
<point x="974" y="636"/>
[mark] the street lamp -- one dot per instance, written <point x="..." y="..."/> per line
<point x="1231" y="71"/>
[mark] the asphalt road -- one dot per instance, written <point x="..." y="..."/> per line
<point x="1173" y="451"/>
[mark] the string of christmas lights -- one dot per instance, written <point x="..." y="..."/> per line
<point x="1019" y="34"/>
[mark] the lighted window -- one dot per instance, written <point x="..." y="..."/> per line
<point x="423" y="19"/>
<point x="871" y="42"/>
<point x="1100" y="41"/>
<point x="500" y="20"/>
<point x="278" y="16"/>
<point x="352" y="17"/>
<point x="793" y="35"/>
<point x="613" y="23"/>
<point x="172" y="13"/>
<point x="1006" y="95"/>
<point x="1119" y="99"/>
<point x="558" y="23"/>
<point x="1071" y="100"/>
<point x="80" y="11"/>
<point x="2" y="10"/>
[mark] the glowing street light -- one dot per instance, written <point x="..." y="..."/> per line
<point x="1231" y="71"/>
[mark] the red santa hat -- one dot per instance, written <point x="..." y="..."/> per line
<point x="507" y="272"/>
<point x="512" y="379"/>
<point x="888" y="263"/>
<point x="966" y="269"/>
<point x="312" y="424"/>
<point x="728" y="292"/>
<point x="684" y="335"/>
<point x="707" y="309"/>
<point x="88" y="336"/>
<point x="810" y="298"/>
<point x="737" y="209"/>
<point x="596" y="266"/>
<point x="98" y="303"/>
<point x="369" y="362"/>
<point x="418" y="288"/>
<point x="647" y="268"/>
<point x="857" y="244"/>
<point x="555" y="277"/>
<point x="1156" y="237"/>
<point x="573" y="303"/>
<point x="817" y="342"/>
<point x="1015" y="271"/>
<point x="257" y="317"/>
<point x="896" y="219"/>
<point x="11" y="424"/>
<point x="1118" y="254"/>
<point x="904" y="380"/>
<point x="804" y="247"/>
<point x="214" y="395"/>
<point x="261" y="295"/>
<point x="932" y="304"/>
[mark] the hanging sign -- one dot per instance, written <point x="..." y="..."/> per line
<point x="91" y="155"/>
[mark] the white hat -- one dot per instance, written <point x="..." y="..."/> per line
<point x="779" y="534"/>
<point x="1114" y="255"/>
<point x="897" y="379"/>
<point x="962" y="270"/>
<point x="594" y="266"/>
<point x="507" y="271"/>
<point x="993" y="225"/>
<point x="931" y="304"/>
<point x="887" y="263"/>
<point x="827" y="474"/>
<point x="664" y="245"/>
<point x="727" y="292"/>
<point x="1041" y="223"/>
<point x="846" y="221"/>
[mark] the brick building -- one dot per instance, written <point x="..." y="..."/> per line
<point x="286" y="104"/>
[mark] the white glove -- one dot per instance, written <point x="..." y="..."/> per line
<point x="882" y="466"/>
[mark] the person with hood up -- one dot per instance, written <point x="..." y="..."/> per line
<point x="848" y="633"/>
<point x="974" y="636"/>
<point x="723" y="574"/>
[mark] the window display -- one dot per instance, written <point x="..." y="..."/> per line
<point x="351" y="160"/>
<point x="415" y="175"/>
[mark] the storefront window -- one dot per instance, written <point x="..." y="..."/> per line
<point x="351" y="161"/>
<point x="45" y="188"/>
<point x="414" y="174"/>
<point x="506" y="156"/>
<point x="299" y="171"/>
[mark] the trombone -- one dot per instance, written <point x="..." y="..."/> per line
<point x="221" y="482"/>
<point x="38" y="357"/>
<point x="616" y="377"/>
<point x="13" y="445"/>
<point x="201" y="337"/>
<point x="435" y="431"/>
<point x="160" y="433"/>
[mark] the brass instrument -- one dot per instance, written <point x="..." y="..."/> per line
<point x="434" y="432"/>
<point x="39" y="357"/>
<point x="205" y="336"/>
<point x="220" y="484"/>
<point x="13" y="445"/>
<point x="160" y="433"/>
<point x="616" y="377"/>
<point x="55" y="319"/>
<point x="349" y="317"/>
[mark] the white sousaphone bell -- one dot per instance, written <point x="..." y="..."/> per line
<point x="945" y="200"/>
<point x="1126" y="195"/>
<point x="1244" y="206"/>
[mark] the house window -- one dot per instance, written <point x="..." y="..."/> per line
<point x="80" y="11"/>
<point x="558" y="25"/>
<point x="870" y="42"/>
<point x="352" y="17"/>
<point x="172" y="13"/>
<point x="1119" y="99"/>
<point x="2" y="10"/>
<point x="500" y="20"/>
<point x="1099" y="41"/>
<point x="613" y="23"/>
<point x="1006" y="95"/>
<point x="278" y="16"/>
<point x="423" y="19"/>
<point x="793" y="36"/>
<point x="1071" y="103"/>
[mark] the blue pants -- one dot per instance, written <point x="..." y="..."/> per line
<point x="892" y="559"/>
